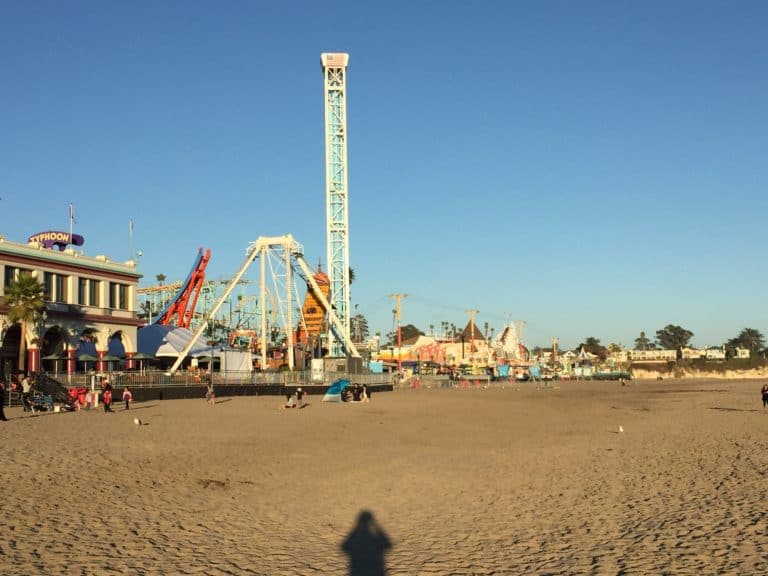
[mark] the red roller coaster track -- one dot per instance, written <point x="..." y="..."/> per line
<point x="179" y="311"/>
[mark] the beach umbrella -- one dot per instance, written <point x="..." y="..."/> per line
<point x="141" y="356"/>
<point x="55" y="358"/>
<point x="110" y="358"/>
<point x="85" y="358"/>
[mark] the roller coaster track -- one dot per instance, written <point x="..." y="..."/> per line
<point x="182" y="306"/>
<point x="158" y="288"/>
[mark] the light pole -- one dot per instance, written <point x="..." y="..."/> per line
<point x="398" y="298"/>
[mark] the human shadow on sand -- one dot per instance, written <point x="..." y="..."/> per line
<point x="726" y="409"/>
<point x="366" y="545"/>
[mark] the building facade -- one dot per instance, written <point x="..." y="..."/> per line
<point x="89" y="309"/>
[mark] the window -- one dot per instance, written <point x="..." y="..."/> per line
<point x="60" y="292"/>
<point x="122" y="300"/>
<point x="118" y="296"/>
<point x="93" y="292"/>
<point x="82" y="287"/>
<point x="12" y="273"/>
<point x="48" y="284"/>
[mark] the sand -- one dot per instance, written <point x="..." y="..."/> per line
<point x="427" y="482"/>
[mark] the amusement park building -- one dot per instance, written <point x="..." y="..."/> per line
<point x="89" y="304"/>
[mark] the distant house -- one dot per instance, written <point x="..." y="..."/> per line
<point x="741" y="353"/>
<point x="716" y="354"/>
<point x="653" y="355"/>
<point x="693" y="353"/>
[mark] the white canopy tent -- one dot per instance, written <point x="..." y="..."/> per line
<point x="170" y="341"/>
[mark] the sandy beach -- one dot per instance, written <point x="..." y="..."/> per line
<point x="418" y="482"/>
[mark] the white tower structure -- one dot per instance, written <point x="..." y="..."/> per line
<point x="336" y="197"/>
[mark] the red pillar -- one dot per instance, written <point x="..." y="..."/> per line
<point x="71" y="361"/>
<point x="33" y="360"/>
<point x="130" y="363"/>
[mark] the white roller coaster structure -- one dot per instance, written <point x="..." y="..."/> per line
<point x="272" y="250"/>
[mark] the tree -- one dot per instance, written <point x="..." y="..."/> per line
<point x="409" y="331"/>
<point x="643" y="342"/>
<point x="593" y="346"/>
<point x="748" y="338"/>
<point x="673" y="337"/>
<point x="25" y="297"/>
<point x="614" y="348"/>
<point x="360" y="330"/>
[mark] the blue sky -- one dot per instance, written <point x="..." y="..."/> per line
<point x="593" y="168"/>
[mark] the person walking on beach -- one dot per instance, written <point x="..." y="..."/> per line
<point x="764" y="393"/>
<point x="107" y="397"/>
<point x="26" y="393"/>
<point x="210" y="395"/>
<point x="2" y="402"/>
<point x="127" y="398"/>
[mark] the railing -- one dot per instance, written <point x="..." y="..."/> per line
<point x="156" y="378"/>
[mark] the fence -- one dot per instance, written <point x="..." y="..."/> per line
<point x="156" y="379"/>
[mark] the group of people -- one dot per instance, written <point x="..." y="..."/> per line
<point x="107" y="398"/>
<point x="25" y="385"/>
<point x="26" y="394"/>
<point x="294" y="399"/>
<point x="356" y="393"/>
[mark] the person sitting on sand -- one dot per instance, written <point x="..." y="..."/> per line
<point x="290" y="401"/>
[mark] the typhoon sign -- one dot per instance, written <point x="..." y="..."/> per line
<point x="55" y="239"/>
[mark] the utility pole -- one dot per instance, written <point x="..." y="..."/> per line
<point x="472" y="328"/>
<point x="398" y="298"/>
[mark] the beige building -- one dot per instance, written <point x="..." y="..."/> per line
<point x="90" y="307"/>
<point x="655" y="355"/>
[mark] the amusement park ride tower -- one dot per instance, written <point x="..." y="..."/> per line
<point x="337" y="219"/>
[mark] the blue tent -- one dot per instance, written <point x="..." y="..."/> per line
<point x="334" y="390"/>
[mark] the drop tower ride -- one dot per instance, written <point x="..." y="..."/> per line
<point x="336" y="200"/>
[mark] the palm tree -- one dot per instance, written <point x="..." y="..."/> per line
<point x="26" y="298"/>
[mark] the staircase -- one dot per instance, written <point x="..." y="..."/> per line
<point x="51" y="387"/>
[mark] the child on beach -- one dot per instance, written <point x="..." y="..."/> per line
<point x="764" y="393"/>
<point x="107" y="397"/>
<point x="127" y="398"/>
<point x="210" y="395"/>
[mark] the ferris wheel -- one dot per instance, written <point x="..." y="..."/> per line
<point x="281" y="259"/>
